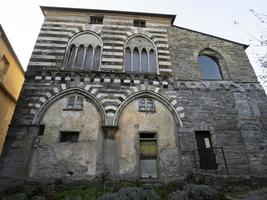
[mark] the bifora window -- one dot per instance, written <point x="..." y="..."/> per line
<point x="75" y="103"/>
<point x="84" y="52"/>
<point x="146" y="105"/>
<point x="140" y="56"/>
<point x="69" y="136"/>
<point x="209" y="67"/>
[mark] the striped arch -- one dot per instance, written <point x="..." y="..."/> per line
<point x="151" y="94"/>
<point x="47" y="102"/>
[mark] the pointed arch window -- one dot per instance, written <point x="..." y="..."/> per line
<point x="140" y="56"/>
<point x="209" y="67"/>
<point x="84" y="52"/>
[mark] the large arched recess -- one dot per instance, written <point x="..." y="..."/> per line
<point x="133" y="128"/>
<point x="79" y="157"/>
<point x="51" y="100"/>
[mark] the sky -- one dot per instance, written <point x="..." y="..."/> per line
<point x="22" y="20"/>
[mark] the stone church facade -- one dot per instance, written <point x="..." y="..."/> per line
<point x="129" y="96"/>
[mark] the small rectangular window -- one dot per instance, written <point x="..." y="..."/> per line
<point x="147" y="135"/>
<point x="41" y="129"/>
<point x="4" y="64"/>
<point x="96" y="20"/>
<point x="69" y="137"/>
<point x="146" y="105"/>
<point x="139" y="23"/>
<point x="75" y="103"/>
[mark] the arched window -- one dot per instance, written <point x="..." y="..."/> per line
<point x="144" y="61"/>
<point x="88" y="57"/>
<point x="136" y="60"/>
<point x="96" y="60"/>
<point x="127" y="59"/>
<point x="84" y="52"/>
<point x="152" y="61"/>
<point x="71" y="57"/>
<point x="79" y="58"/>
<point x="209" y="67"/>
<point x="140" y="56"/>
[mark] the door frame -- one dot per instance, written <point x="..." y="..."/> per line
<point x="139" y="152"/>
<point x="211" y="148"/>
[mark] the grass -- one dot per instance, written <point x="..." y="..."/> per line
<point x="164" y="190"/>
<point x="93" y="192"/>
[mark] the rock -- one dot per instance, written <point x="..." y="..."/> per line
<point x="258" y="195"/>
<point x="131" y="193"/>
<point x="178" y="195"/>
<point x="73" y="197"/>
<point x="38" y="198"/>
<point x="194" y="192"/>
<point x="16" y="196"/>
<point x="201" y="192"/>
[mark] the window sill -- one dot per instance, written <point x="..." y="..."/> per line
<point x="72" y="109"/>
<point x="147" y="111"/>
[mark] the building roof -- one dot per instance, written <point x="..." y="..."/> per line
<point x="3" y="35"/>
<point x="171" y="16"/>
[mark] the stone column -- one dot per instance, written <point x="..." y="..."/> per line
<point x="110" y="158"/>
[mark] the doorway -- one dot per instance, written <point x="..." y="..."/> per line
<point x="205" y="150"/>
<point x="148" y="155"/>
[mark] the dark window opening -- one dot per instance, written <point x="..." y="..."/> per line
<point x="146" y="105"/>
<point x="4" y="64"/>
<point x="75" y="103"/>
<point x="147" y="135"/>
<point x="209" y="67"/>
<point x="96" y="19"/>
<point x="41" y="129"/>
<point x="69" y="137"/>
<point x="139" y="23"/>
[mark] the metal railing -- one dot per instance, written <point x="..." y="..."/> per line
<point x="219" y="157"/>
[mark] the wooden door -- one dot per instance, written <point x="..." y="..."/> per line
<point x="205" y="150"/>
<point x="148" y="156"/>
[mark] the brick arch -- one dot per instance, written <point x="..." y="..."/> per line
<point x="47" y="102"/>
<point x="170" y="105"/>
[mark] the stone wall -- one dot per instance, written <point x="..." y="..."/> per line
<point x="234" y="109"/>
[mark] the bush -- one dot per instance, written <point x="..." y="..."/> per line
<point x="131" y="193"/>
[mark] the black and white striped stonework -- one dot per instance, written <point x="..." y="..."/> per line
<point x="58" y="29"/>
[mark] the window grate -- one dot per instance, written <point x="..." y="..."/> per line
<point x="75" y="103"/>
<point x="146" y="105"/>
<point x="139" y="23"/>
<point x="69" y="137"/>
<point x="96" y="20"/>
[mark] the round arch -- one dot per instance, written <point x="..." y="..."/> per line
<point x="150" y="94"/>
<point x="140" y="35"/>
<point x="82" y="33"/>
<point x="38" y="116"/>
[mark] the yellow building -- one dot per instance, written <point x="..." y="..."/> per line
<point x="11" y="80"/>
